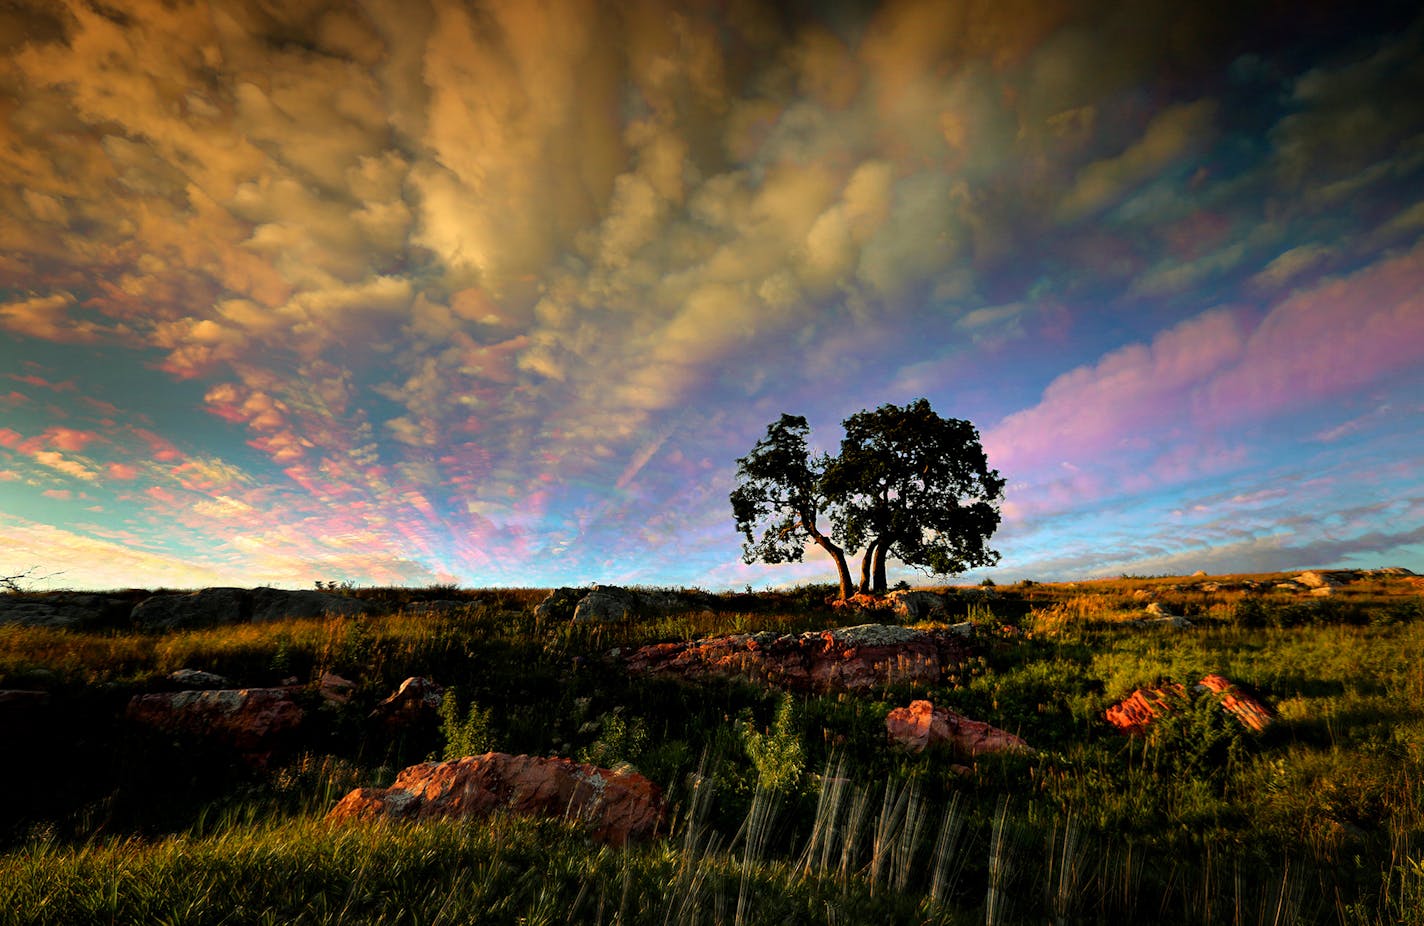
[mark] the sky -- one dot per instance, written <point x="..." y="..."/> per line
<point x="404" y="292"/>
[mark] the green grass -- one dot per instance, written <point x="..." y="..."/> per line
<point x="783" y="808"/>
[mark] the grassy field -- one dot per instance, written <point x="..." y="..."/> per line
<point x="784" y="808"/>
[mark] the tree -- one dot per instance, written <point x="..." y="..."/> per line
<point x="911" y="484"/>
<point x="906" y="483"/>
<point x="778" y="499"/>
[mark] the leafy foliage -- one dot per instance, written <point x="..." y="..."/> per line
<point x="906" y="483"/>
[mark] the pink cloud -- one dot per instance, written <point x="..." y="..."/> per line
<point x="121" y="471"/>
<point x="60" y="494"/>
<point x="1135" y="389"/>
<point x="9" y="475"/>
<point x="30" y="379"/>
<point x="161" y="494"/>
<point x="10" y="438"/>
<point x="160" y="448"/>
<point x="1214" y="369"/>
<point x="1331" y="339"/>
<point x="69" y="438"/>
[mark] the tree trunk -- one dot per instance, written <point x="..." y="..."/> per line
<point x="841" y="568"/>
<point x="878" y="585"/>
<point x="865" y="565"/>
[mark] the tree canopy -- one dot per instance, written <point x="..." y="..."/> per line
<point x="906" y="483"/>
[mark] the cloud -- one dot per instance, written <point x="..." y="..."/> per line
<point x="1218" y="369"/>
<point x="1174" y="135"/>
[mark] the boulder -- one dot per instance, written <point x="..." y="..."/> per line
<point x="922" y="725"/>
<point x="64" y="609"/>
<point x="1389" y="571"/>
<point x="191" y="679"/>
<point x="918" y="605"/>
<point x="601" y="603"/>
<point x="414" y="705"/>
<point x="208" y="607"/>
<point x="1244" y="705"/>
<point x="1135" y="714"/>
<point x="845" y="659"/>
<point x="253" y="722"/>
<point x="560" y="604"/>
<point x="334" y="689"/>
<point x="606" y="603"/>
<point x="275" y="604"/>
<point x="616" y="806"/>
<point x="1316" y="580"/>
<point x="22" y="713"/>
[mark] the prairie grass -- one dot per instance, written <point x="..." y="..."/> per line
<point x="783" y="807"/>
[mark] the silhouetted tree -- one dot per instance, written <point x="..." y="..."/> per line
<point x="906" y="483"/>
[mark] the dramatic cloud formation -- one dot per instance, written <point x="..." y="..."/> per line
<point x="496" y="292"/>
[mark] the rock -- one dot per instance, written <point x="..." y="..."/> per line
<point x="208" y="607"/>
<point x="1156" y="614"/>
<point x="275" y="604"/>
<point x="606" y="603"/>
<point x="211" y="607"/>
<point x="64" y="609"/>
<point x="922" y="725"/>
<point x="1324" y="591"/>
<point x="616" y="806"/>
<point x="1200" y="573"/>
<point x="844" y="659"/>
<point x="22" y="713"/>
<point x="1314" y="580"/>
<point x="863" y="602"/>
<point x="918" y="606"/>
<point x="560" y="604"/>
<point x="1289" y="587"/>
<point x="1210" y="587"/>
<point x="1389" y="571"/>
<point x="1136" y="713"/>
<point x="613" y="603"/>
<point x="253" y="722"/>
<point x="334" y="689"/>
<point x="413" y="706"/>
<point x="190" y="679"/>
<point x="1245" y="706"/>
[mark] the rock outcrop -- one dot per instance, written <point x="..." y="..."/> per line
<point x="415" y="705"/>
<point x="614" y="603"/>
<point x="191" y="679"/>
<point x="918" y="605"/>
<point x="1135" y="714"/>
<point x="210" y="607"/>
<point x="252" y="722"/>
<point x="844" y="659"/>
<point x="65" y="609"/>
<point x="1245" y="706"/>
<point x="922" y="725"/>
<point x="616" y="806"/>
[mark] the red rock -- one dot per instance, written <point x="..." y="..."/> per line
<point x="1137" y="712"/>
<point x="251" y="721"/>
<point x="922" y="725"/>
<point x="843" y="659"/>
<point x="617" y="806"/>
<point x="1246" y="707"/>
